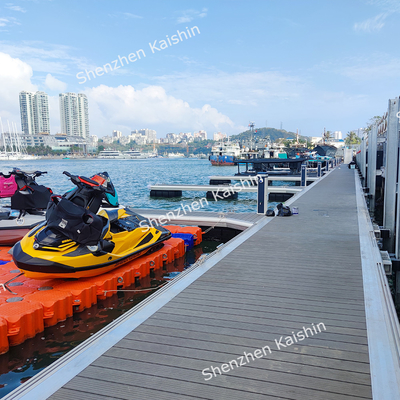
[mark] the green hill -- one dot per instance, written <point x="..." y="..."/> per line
<point x="261" y="133"/>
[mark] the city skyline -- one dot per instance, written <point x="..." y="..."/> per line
<point x="73" y="109"/>
<point x="274" y="68"/>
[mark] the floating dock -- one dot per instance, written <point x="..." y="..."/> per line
<point x="28" y="306"/>
<point x="231" y="220"/>
<point x="292" y="308"/>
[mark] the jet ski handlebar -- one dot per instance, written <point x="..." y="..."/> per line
<point x="30" y="174"/>
<point x="82" y="180"/>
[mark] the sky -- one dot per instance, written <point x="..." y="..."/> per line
<point x="308" y="65"/>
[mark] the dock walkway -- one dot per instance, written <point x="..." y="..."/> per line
<point x="275" y="280"/>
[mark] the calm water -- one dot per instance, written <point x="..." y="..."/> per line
<point x="133" y="177"/>
<point x="26" y="360"/>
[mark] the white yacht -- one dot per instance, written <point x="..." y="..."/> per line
<point x="134" y="155"/>
<point x="110" y="154"/>
<point x="176" y="155"/>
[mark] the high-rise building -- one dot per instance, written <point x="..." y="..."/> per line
<point x="26" y="109"/>
<point x="144" y="136"/>
<point x="83" y="115"/>
<point x="219" y="136"/>
<point x="202" y="135"/>
<point x="150" y="134"/>
<point x="338" y="135"/>
<point x="74" y="114"/>
<point x="34" y="109"/>
<point x="117" y="134"/>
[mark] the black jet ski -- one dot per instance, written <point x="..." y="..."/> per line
<point x="77" y="240"/>
<point x="28" y="204"/>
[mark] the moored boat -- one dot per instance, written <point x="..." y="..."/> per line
<point x="77" y="241"/>
<point x="225" y="154"/>
<point x="134" y="155"/>
<point x="110" y="154"/>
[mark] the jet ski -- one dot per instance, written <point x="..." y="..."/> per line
<point x="77" y="240"/>
<point x="28" y="204"/>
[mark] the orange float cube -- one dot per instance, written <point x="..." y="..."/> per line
<point x="106" y="284"/>
<point x="84" y="293"/>
<point x="3" y="336"/>
<point x="24" y="320"/>
<point x="57" y="305"/>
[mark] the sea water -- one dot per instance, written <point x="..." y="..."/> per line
<point x="132" y="179"/>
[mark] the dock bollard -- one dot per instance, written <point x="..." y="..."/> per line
<point x="319" y="170"/>
<point x="262" y="193"/>
<point x="303" y="182"/>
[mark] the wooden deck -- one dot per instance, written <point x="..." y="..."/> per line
<point x="291" y="273"/>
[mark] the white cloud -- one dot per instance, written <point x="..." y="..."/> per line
<point x="378" y="66"/>
<point x="47" y="57"/>
<point x="10" y="6"/>
<point x="373" y="70"/>
<point x="242" y="88"/>
<point x="183" y="19"/>
<point x="54" y="84"/>
<point x="190" y="15"/>
<point x="124" y="106"/>
<point x="125" y="15"/>
<point x="15" y="76"/>
<point x="129" y="15"/>
<point x="7" y="21"/>
<point x="374" y="24"/>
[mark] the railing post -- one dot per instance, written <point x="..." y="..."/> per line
<point x="319" y="170"/>
<point x="371" y="172"/>
<point x="262" y="193"/>
<point x="303" y="175"/>
<point x="363" y="155"/>
<point x="391" y="170"/>
<point x="327" y="165"/>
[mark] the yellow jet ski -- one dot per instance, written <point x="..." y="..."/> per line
<point x="78" y="241"/>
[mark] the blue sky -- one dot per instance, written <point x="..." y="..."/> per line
<point x="308" y="64"/>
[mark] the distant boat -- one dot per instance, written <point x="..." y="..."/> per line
<point x="134" y="155"/>
<point x="110" y="154"/>
<point x="225" y="154"/>
<point x="17" y="150"/>
<point x="176" y="155"/>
